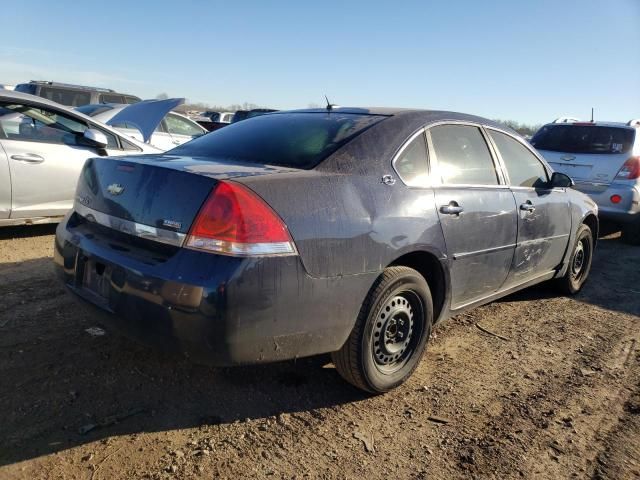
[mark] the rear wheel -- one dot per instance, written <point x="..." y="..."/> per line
<point x="579" y="262"/>
<point x="631" y="233"/>
<point x="390" y="334"/>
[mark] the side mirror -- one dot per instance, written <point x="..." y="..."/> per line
<point x="560" y="180"/>
<point x="96" y="138"/>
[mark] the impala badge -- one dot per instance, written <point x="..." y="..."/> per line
<point x="172" y="224"/>
<point x="115" y="189"/>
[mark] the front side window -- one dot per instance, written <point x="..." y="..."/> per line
<point x="463" y="155"/>
<point x="93" y="109"/>
<point x="524" y="169"/>
<point x="32" y="124"/>
<point x="180" y="126"/>
<point x="411" y="164"/>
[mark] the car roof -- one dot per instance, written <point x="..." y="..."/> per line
<point x="430" y="116"/>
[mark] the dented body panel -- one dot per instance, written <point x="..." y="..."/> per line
<point x="347" y="224"/>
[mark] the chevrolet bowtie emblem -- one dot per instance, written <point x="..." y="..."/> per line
<point x="115" y="189"/>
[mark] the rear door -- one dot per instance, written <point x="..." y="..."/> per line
<point x="544" y="216"/>
<point x="477" y="211"/>
<point x="45" y="153"/>
<point x="162" y="139"/>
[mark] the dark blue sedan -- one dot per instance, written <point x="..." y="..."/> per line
<point x="351" y="231"/>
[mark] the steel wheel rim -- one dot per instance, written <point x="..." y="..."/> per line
<point x="579" y="259"/>
<point x="396" y="330"/>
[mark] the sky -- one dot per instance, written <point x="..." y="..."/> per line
<point x="530" y="61"/>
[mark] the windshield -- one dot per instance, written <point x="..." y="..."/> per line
<point x="298" y="140"/>
<point x="93" y="109"/>
<point x="584" y="139"/>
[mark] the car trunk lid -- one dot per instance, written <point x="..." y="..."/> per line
<point x="597" y="171"/>
<point x="161" y="192"/>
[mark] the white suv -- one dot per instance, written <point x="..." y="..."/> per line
<point x="603" y="158"/>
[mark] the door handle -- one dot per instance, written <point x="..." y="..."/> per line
<point x="527" y="207"/>
<point x="452" y="209"/>
<point x="28" y="158"/>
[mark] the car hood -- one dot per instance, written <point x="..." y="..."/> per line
<point x="145" y="115"/>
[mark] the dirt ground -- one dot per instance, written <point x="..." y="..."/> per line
<point x="557" y="397"/>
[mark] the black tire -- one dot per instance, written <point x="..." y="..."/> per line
<point x="579" y="262"/>
<point x="390" y="334"/>
<point x="631" y="233"/>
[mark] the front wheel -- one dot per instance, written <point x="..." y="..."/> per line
<point x="579" y="262"/>
<point x="390" y="334"/>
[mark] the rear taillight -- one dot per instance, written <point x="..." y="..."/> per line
<point x="630" y="170"/>
<point x="236" y="221"/>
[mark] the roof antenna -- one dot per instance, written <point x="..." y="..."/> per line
<point x="330" y="106"/>
<point x="591" y="114"/>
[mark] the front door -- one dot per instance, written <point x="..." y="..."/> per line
<point x="477" y="212"/>
<point x="544" y="216"/>
<point x="45" y="153"/>
<point x="5" y="182"/>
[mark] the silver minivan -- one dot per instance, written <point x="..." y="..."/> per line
<point x="603" y="159"/>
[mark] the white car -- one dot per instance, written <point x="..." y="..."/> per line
<point x="173" y="130"/>
<point x="603" y="158"/>
<point x="43" y="147"/>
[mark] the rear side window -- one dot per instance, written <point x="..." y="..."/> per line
<point x="298" y="140"/>
<point x="584" y="139"/>
<point x="411" y="163"/>
<point x="463" y="155"/>
<point x="72" y="98"/>
<point x="524" y="169"/>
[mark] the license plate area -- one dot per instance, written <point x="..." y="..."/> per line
<point x="95" y="278"/>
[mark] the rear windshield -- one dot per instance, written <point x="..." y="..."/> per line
<point x="298" y="140"/>
<point x="583" y="139"/>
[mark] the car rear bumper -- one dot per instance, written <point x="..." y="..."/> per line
<point x="216" y="309"/>
<point x="625" y="211"/>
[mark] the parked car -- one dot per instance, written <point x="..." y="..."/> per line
<point x="43" y="146"/>
<point x="221" y="117"/>
<point x="245" y="114"/>
<point x="349" y="231"/>
<point x="74" y="95"/>
<point x="604" y="160"/>
<point x="212" y="121"/>
<point x="173" y="130"/>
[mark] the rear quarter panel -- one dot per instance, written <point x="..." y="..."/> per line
<point x="343" y="219"/>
